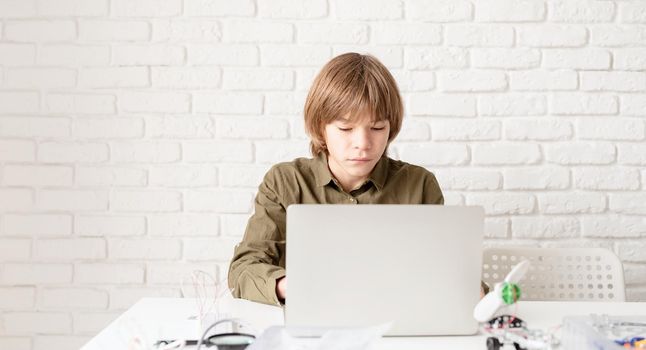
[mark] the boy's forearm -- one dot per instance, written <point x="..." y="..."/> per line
<point x="255" y="281"/>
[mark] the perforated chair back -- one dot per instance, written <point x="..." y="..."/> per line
<point x="576" y="274"/>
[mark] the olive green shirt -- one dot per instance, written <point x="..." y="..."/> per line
<point x="259" y="260"/>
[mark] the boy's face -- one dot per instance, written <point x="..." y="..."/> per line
<point x="355" y="145"/>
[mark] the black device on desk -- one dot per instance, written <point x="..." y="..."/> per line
<point x="223" y="341"/>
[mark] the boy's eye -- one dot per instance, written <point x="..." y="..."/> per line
<point x="344" y="129"/>
<point x="380" y="128"/>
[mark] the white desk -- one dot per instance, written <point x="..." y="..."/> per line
<point x="154" y="315"/>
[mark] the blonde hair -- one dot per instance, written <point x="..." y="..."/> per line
<point x="345" y="86"/>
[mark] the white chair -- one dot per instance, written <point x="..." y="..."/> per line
<point x="576" y="274"/>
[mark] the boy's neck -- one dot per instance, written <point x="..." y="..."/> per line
<point x="347" y="182"/>
<point x="351" y="186"/>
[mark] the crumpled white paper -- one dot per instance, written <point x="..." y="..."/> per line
<point x="278" y="338"/>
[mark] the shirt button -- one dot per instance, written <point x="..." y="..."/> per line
<point x="352" y="200"/>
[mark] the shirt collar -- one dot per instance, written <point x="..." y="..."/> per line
<point x="321" y="170"/>
<point x="324" y="176"/>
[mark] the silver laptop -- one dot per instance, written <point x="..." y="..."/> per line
<point x="417" y="266"/>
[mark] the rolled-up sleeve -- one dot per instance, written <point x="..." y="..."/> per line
<point x="258" y="260"/>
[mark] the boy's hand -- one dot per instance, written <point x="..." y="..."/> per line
<point x="281" y="288"/>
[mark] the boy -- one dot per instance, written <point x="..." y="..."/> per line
<point x="352" y="113"/>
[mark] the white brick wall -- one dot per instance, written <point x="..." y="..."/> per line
<point x="134" y="134"/>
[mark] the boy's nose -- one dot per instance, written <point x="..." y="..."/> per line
<point x="362" y="140"/>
